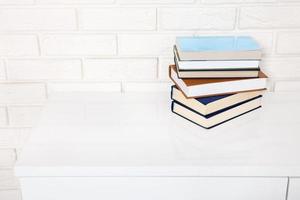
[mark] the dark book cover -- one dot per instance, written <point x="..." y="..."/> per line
<point x="207" y="100"/>
<point x="172" y="109"/>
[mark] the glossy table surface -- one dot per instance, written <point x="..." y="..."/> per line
<point x="136" y="134"/>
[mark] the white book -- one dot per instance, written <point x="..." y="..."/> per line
<point x="215" y="64"/>
<point x="192" y="87"/>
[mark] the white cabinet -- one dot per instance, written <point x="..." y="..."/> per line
<point x="150" y="188"/>
<point x="294" y="189"/>
<point x="132" y="147"/>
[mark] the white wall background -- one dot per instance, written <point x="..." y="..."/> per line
<point x="120" y="45"/>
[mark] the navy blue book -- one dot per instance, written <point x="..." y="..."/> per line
<point x="218" y="114"/>
<point x="212" y="104"/>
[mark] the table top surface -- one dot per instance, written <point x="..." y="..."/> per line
<point x="136" y="134"/>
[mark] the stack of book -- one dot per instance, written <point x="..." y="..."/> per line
<point x="216" y="78"/>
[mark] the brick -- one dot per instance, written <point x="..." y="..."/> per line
<point x="120" y="69"/>
<point x="22" y="93"/>
<point x="26" y="116"/>
<point x="7" y="158"/>
<point x="39" y="69"/>
<point x="57" y="87"/>
<point x="75" y="1"/>
<point x="73" y="44"/>
<point x="10" y="194"/>
<point x="18" y="45"/>
<point x="3" y="118"/>
<point x="288" y="43"/>
<point x="118" y="19"/>
<point x="281" y="67"/>
<point x="265" y="40"/>
<point x="16" y="2"/>
<point x="289" y="0"/>
<point x="37" y="19"/>
<point x="156" y="1"/>
<point x="13" y="137"/>
<point x="8" y="138"/>
<point x="265" y="17"/>
<point x="146" y="86"/>
<point x="8" y="181"/>
<point x="282" y="86"/>
<point x="2" y="71"/>
<point x="146" y="44"/>
<point x="163" y="73"/>
<point x="236" y="1"/>
<point x="197" y="18"/>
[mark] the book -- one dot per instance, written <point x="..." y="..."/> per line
<point x="215" y="64"/>
<point x="200" y="87"/>
<point x="218" y="48"/>
<point x="209" y="105"/>
<point x="217" y="74"/>
<point x="217" y="118"/>
<point x="225" y="73"/>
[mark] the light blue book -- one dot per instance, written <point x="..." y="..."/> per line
<point x="218" y="48"/>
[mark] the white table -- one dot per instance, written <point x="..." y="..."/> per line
<point x="131" y="146"/>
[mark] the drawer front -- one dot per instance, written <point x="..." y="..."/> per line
<point x="294" y="189"/>
<point x="153" y="188"/>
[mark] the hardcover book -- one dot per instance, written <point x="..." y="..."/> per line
<point x="217" y="118"/>
<point x="200" y="87"/>
<point x="209" y="105"/>
<point x="216" y="69"/>
<point x="215" y="64"/>
<point x="218" y="48"/>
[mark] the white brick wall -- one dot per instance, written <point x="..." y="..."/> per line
<point x="6" y="182"/>
<point x="58" y="87"/>
<point x="37" y="19"/>
<point x="197" y="18"/>
<point x="3" y="116"/>
<point x="41" y="69"/>
<point x="268" y="17"/>
<point x="13" y="137"/>
<point x="236" y="1"/>
<point x="24" y="116"/>
<point x="158" y="2"/>
<point x="62" y="2"/>
<point x="147" y="87"/>
<point x="18" y="45"/>
<point x="163" y="71"/>
<point x="16" y="2"/>
<point x="2" y="70"/>
<point x="118" y="19"/>
<point x="288" y="43"/>
<point x="11" y="93"/>
<point x="153" y="44"/>
<point x="120" y="69"/>
<point x="8" y="158"/>
<point x="10" y="194"/>
<point x="78" y="44"/>
<point x="51" y="46"/>
<point x="282" y="67"/>
<point x="287" y="86"/>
